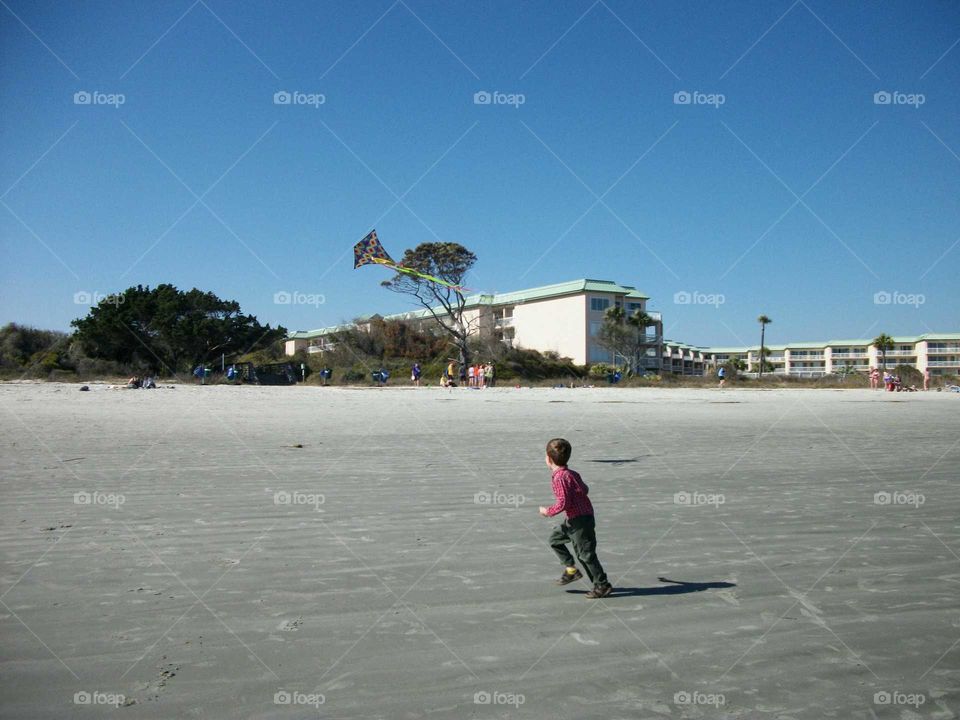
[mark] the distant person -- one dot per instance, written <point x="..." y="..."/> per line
<point x="488" y="374"/>
<point x="415" y="374"/>
<point x="134" y="382"/>
<point x="874" y="378"/>
<point x="579" y="528"/>
<point x="481" y="375"/>
<point x="722" y="374"/>
<point x="200" y="372"/>
<point x="463" y="375"/>
<point x="926" y="379"/>
<point x="472" y="375"/>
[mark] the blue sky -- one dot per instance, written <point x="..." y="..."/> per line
<point x="783" y="187"/>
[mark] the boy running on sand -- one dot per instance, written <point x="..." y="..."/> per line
<point x="579" y="529"/>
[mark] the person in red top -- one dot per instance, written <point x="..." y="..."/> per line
<point x="579" y="529"/>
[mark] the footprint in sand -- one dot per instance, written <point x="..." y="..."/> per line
<point x="583" y="641"/>
<point x="291" y="625"/>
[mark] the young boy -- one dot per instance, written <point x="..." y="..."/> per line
<point x="579" y="529"/>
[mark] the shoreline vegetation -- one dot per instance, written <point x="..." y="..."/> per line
<point x="829" y="382"/>
<point x="31" y="355"/>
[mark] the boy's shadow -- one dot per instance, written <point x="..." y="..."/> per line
<point x="677" y="587"/>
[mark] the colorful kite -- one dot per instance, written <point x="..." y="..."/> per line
<point x="370" y="251"/>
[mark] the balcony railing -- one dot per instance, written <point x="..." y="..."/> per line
<point x="944" y="363"/>
<point x="854" y="354"/>
<point x="503" y="322"/>
<point x="901" y="353"/>
<point x="944" y="349"/>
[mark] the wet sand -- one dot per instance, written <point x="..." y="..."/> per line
<point x="249" y="552"/>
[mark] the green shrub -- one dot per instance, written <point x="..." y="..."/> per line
<point x="600" y="370"/>
<point x="908" y="375"/>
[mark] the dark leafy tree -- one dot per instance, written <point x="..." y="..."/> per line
<point x="166" y="329"/>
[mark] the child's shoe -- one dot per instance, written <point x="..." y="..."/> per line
<point x="601" y="591"/>
<point x="569" y="577"/>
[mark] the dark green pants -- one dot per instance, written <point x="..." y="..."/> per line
<point x="581" y="533"/>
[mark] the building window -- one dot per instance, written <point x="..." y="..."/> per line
<point x="599" y="354"/>
<point x="634" y="307"/>
<point x="599" y="304"/>
<point x="595" y="326"/>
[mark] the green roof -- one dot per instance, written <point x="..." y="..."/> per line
<point x="897" y="339"/>
<point x="683" y="346"/>
<point x="807" y="345"/>
<point x="572" y="287"/>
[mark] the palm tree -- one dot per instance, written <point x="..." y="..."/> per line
<point x="625" y="334"/>
<point x="764" y="321"/>
<point x="640" y="321"/>
<point x="883" y="342"/>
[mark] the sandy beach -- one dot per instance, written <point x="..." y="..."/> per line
<point x="304" y="552"/>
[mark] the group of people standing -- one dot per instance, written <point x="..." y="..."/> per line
<point x="479" y="375"/>
<point x="892" y="383"/>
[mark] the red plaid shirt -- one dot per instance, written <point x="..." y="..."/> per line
<point x="571" y="493"/>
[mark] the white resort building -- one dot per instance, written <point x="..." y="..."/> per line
<point x="566" y="317"/>
<point x="938" y="352"/>
<point x="563" y="318"/>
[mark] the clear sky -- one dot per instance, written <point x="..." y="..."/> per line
<point x="783" y="187"/>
